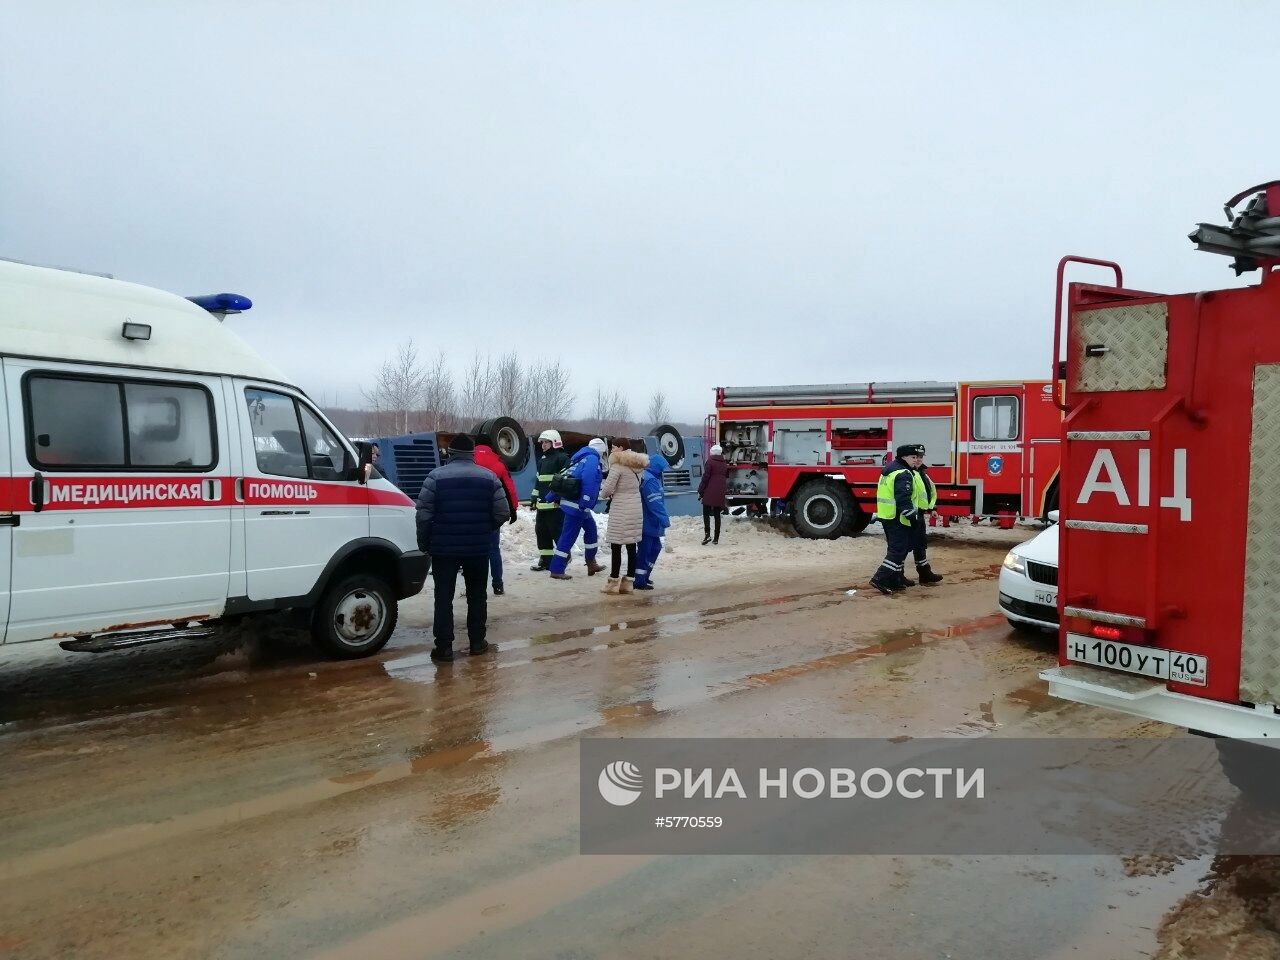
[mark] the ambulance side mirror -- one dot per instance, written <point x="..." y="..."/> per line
<point x="364" y="468"/>
<point x="1053" y="516"/>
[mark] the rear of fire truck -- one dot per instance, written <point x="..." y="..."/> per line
<point x="1169" y="583"/>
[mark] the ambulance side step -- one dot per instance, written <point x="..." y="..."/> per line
<point x="103" y="642"/>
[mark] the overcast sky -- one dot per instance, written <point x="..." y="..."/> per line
<point x="669" y="196"/>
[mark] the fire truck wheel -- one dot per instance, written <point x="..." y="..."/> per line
<point x="1253" y="769"/>
<point x="508" y="440"/>
<point x="822" y="509"/>
<point x="857" y="521"/>
<point x="1050" y="499"/>
<point x="670" y="443"/>
<point x="355" y="618"/>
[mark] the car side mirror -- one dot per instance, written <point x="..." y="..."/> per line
<point x="364" y="467"/>
<point x="1053" y="516"/>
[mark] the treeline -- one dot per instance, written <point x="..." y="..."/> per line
<point x="409" y="394"/>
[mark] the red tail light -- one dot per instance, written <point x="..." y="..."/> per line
<point x="1103" y="632"/>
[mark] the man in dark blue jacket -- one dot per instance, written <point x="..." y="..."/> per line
<point x="459" y="508"/>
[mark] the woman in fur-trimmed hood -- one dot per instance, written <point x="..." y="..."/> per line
<point x="626" y="513"/>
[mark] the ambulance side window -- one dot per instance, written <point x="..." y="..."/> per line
<point x="110" y="423"/>
<point x="75" y="423"/>
<point x="291" y="441"/>
<point x="277" y="434"/>
<point x="325" y="451"/>
<point x="170" y="425"/>
<point x="995" y="418"/>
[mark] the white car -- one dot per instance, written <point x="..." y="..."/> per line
<point x="1029" y="581"/>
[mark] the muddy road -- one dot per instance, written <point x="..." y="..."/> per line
<point x="245" y="799"/>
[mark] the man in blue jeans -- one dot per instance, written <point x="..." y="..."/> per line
<point x="460" y="506"/>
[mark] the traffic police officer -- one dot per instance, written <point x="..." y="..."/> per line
<point x="904" y="495"/>
<point x="549" y="519"/>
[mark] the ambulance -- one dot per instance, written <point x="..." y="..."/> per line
<point x="158" y="476"/>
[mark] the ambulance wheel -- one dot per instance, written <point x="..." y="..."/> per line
<point x="508" y="440"/>
<point x="670" y="443"/>
<point x="822" y="509"/>
<point x="355" y="618"/>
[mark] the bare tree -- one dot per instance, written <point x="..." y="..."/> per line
<point x="479" y="386"/>
<point x="438" y="395"/>
<point x="619" y="414"/>
<point x="397" y="388"/>
<point x="555" y="397"/>
<point x="658" y="411"/>
<point x="509" y="382"/>
<point x="598" y="413"/>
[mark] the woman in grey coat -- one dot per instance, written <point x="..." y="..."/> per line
<point x="626" y="513"/>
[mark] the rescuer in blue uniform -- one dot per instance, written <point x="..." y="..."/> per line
<point x="585" y="468"/>
<point x="903" y="497"/>
<point x="656" y="520"/>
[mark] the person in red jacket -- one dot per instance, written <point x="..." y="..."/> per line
<point x="485" y="457"/>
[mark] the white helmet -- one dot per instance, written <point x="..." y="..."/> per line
<point x="552" y="437"/>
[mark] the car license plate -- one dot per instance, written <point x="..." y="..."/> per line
<point x="1148" y="661"/>
<point x="1048" y="597"/>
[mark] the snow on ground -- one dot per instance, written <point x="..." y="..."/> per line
<point x="749" y="551"/>
<point x="750" y="541"/>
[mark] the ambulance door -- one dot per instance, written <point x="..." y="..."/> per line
<point x="120" y="478"/>
<point x="302" y="504"/>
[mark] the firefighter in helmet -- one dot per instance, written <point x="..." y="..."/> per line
<point x="549" y="519"/>
<point x="903" y="497"/>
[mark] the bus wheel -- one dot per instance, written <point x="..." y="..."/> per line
<point x="821" y="509"/>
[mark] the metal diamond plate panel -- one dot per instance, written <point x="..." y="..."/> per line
<point x="1260" y="645"/>
<point x="1120" y="348"/>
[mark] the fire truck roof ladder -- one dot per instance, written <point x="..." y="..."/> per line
<point x="913" y="391"/>
<point x="1253" y="237"/>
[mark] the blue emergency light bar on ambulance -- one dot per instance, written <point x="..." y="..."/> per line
<point x="159" y="475"/>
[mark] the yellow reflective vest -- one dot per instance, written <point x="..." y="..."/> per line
<point x="924" y="496"/>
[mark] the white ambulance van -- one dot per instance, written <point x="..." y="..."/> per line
<point x="158" y="476"/>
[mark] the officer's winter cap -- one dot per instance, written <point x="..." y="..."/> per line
<point x="462" y="443"/>
<point x="911" y="450"/>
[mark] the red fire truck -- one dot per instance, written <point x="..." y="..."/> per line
<point x="992" y="447"/>
<point x="1169" y="586"/>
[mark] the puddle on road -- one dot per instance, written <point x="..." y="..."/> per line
<point x="123" y="839"/>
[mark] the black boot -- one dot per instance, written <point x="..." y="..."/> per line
<point x="927" y="576"/>
<point x="542" y="564"/>
<point x="442" y="654"/>
<point x="883" y="583"/>
<point x="904" y="581"/>
<point x="706" y="540"/>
